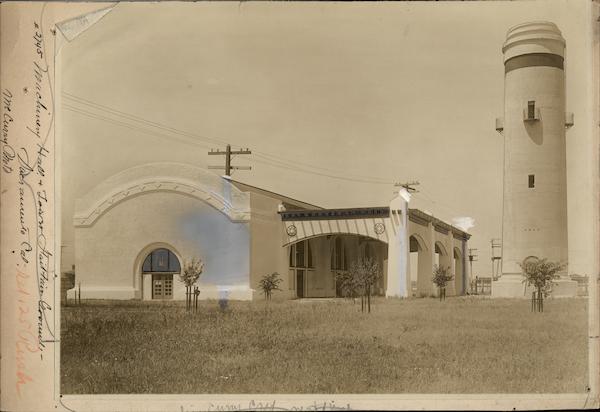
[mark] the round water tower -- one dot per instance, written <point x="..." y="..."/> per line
<point x="535" y="178"/>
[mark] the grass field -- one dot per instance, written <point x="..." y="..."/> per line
<point x="462" y="345"/>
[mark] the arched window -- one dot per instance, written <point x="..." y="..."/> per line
<point x="161" y="261"/>
<point x="160" y="265"/>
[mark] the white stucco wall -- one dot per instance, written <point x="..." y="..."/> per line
<point x="108" y="254"/>
<point x="267" y="255"/>
<point x="182" y="208"/>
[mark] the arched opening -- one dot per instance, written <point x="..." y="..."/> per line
<point x="459" y="275"/>
<point x="314" y="263"/>
<point x="444" y="259"/>
<point x="157" y="270"/>
<point x="440" y="253"/>
<point x="420" y="266"/>
<point x="415" y="250"/>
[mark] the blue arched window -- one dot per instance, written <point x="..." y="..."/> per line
<point x="161" y="261"/>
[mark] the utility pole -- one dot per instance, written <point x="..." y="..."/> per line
<point x="228" y="153"/>
<point x="408" y="186"/>
<point x="472" y="258"/>
<point x="496" y="257"/>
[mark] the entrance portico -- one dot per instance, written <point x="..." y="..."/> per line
<point x="333" y="238"/>
<point x="314" y="263"/>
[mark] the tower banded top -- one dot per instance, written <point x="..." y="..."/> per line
<point x="533" y="38"/>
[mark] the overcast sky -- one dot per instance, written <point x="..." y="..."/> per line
<point x="336" y="101"/>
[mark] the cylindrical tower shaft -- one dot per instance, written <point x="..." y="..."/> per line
<point x="535" y="181"/>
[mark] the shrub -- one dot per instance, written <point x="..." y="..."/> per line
<point x="348" y="284"/>
<point x="189" y="275"/>
<point x="191" y="271"/>
<point x="441" y="277"/>
<point x="269" y="283"/>
<point x="362" y="275"/>
<point x="540" y="273"/>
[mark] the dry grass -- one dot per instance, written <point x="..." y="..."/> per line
<point x="462" y="345"/>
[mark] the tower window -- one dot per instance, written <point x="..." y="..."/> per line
<point x="531" y="181"/>
<point x="531" y="109"/>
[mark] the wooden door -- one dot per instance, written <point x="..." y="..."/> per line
<point x="162" y="286"/>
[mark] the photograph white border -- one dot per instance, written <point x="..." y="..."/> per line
<point x="45" y="391"/>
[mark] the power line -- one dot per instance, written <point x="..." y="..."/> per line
<point x="438" y="203"/>
<point x="139" y="119"/>
<point x="261" y="157"/>
<point x="272" y="163"/>
<point x="265" y="158"/>
<point x="284" y="165"/>
<point x="130" y="126"/>
<point x="346" y="173"/>
<point x="177" y="131"/>
<point x="270" y="159"/>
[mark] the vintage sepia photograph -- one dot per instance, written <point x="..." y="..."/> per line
<point x="334" y="198"/>
<point x="319" y="199"/>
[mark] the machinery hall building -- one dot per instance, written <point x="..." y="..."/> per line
<point x="134" y="231"/>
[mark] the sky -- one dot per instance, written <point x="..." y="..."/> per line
<point x="337" y="101"/>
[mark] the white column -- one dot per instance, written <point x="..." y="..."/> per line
<point x="398" y="275"/>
